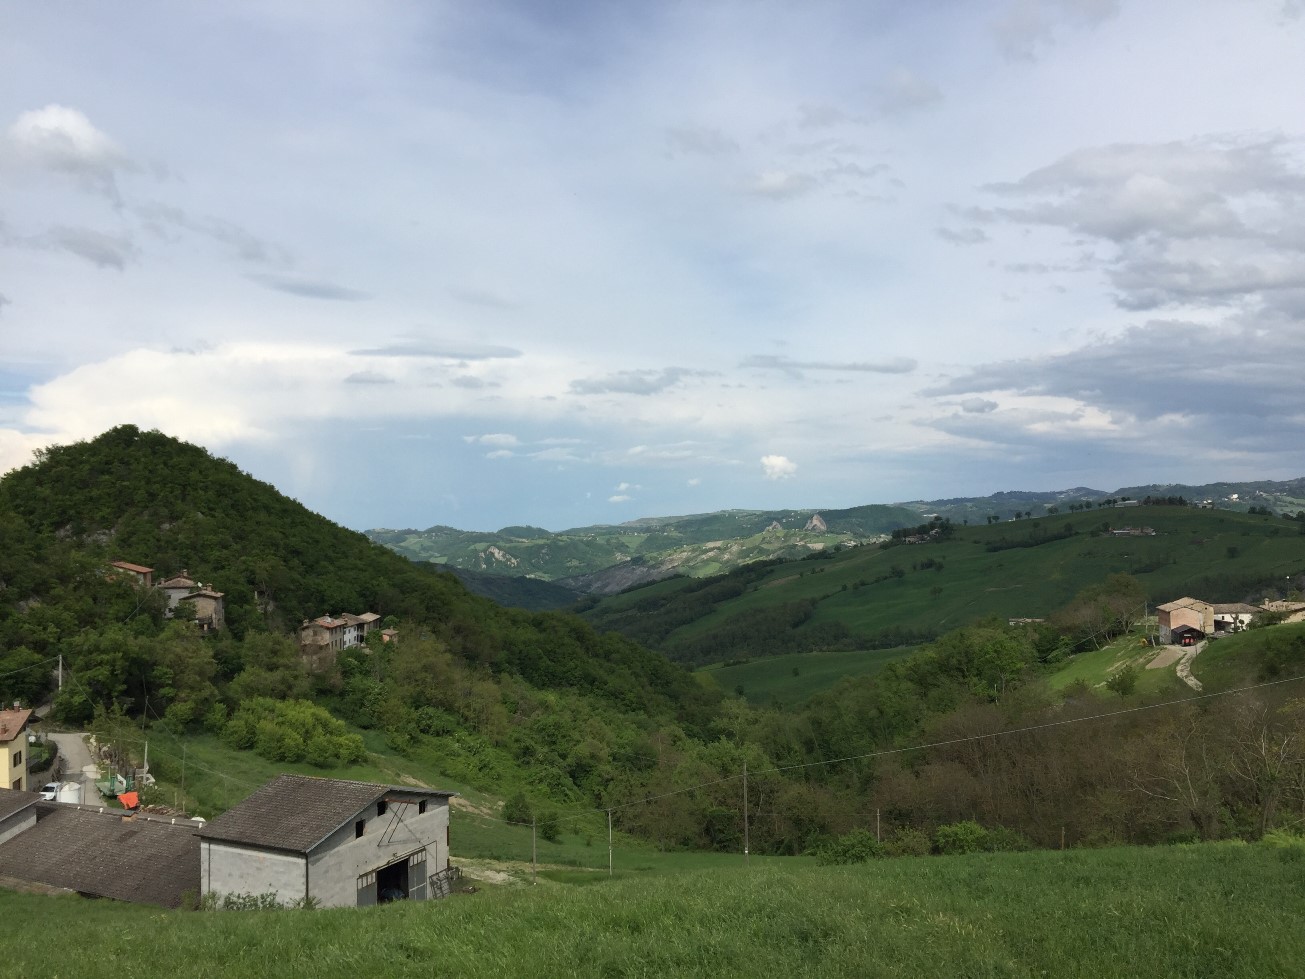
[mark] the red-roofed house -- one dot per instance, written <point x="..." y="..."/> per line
<point x="142" y="575"/>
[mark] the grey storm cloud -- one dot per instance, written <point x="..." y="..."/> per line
<point x="62" y="140"/>
<point x="1232" y="385"/>
<point x="641" y="382"/>
<point x="368" y="377"/>
<point x="440" y="350"/>
<point x="904" y="92"/>
<point x="1026" y="28"/>
<point x="96" y="247"/>
<point x="308" y="288"/>
<point x="898" y="365"/>
<point x="978" y="406"/>
<point x="165" y="219"/>
<point x="962" y="236"/>
<point x="700" y="141"/>
<point x="1201" y="222"/>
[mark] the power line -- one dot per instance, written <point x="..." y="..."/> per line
<point x="941" y="744"/>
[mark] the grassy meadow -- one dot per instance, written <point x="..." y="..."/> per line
<point x="1227" y="910"/>
<point x="790" y="680"/>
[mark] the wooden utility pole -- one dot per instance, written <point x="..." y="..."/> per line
<point x="609" y="843"/>
<point x="878" y="838"/>
<point x="534" y="865"/>
<point x="746" y="858"/>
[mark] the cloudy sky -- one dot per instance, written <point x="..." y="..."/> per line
<point x="566" y="263"/>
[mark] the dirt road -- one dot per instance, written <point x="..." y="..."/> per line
<point x="78" y="765"/>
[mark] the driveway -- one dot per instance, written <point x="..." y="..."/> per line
<point x="78" y="765"/>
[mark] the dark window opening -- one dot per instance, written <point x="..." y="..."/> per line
<point x="358" y="828"/>
<point x="421" y="807"/>
<point x="380" y="808"/>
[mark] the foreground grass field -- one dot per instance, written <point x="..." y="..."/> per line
<point x="1214" y="910"/>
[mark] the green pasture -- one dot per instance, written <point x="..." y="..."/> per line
<point x="1192" y="911"/>
<point x="1193" y="551"/>
<point x="793" y="679"/>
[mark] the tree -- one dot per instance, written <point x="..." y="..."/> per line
<point x="1124" y="680"/>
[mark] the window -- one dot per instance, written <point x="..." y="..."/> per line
<point x="421" y="807"/>
<point x="358" y="828"/>
<point x="380" y="808"/>
<point x="18" y="759"/>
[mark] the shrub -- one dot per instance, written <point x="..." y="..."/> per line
<point x="858" y="846"/>
<point x="908" y="842"/>
<point x="548" y="826"/>
<point x="963" y="837"/>
<point x="1003" y="840"/>
<point x="517" y="809"/>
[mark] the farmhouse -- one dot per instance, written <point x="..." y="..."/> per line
<point x="1234" y="616"/>
<point x="331" y="843"/>
<point x="335" y="633"/>
<point x="210" y="611"/>
<point x="13" y="748"/>
<point x="138" y="573"/>
<point x="1190" y="614"/>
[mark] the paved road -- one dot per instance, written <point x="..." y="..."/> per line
<point x="77" y="765"/>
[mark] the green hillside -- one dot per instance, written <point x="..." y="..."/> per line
<point x="1213" y="910"/>
<point x="793" y="679"/>
<point x="695" y="545"/>
<point x="875" y="596"/>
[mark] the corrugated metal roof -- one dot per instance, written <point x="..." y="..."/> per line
<point x="297" y="812"/>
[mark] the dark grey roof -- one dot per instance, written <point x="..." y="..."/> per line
<point x="297" y="812"/>
<point x="12" y="801"/>
<point x="147" y="861"/>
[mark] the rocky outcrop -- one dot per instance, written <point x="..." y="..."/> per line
<point x="817" y="523"/>
<point x="774" y="525"/>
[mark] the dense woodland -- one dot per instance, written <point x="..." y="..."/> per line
<point x="543" y="706"/>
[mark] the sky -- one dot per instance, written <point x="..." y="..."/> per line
<point x="493" y="263"/>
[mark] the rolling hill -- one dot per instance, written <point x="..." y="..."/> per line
<point x="873" y="597"/>
<point x="605" y="559"/>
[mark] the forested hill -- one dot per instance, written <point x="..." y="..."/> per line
<point x="149" y="499"/>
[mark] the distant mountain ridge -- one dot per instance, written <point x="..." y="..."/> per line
<point x="605" y="559"/>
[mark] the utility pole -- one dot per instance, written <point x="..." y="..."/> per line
<point x="746" y="858"/>
<point x="609" y="843"/>
<point x="61" y="671"/>
<point x="878" y="838"/>
<point x="533" y="863"/>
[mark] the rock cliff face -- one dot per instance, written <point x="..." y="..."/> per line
<point x="774" y="525"/>
<point x="816" y="523"/>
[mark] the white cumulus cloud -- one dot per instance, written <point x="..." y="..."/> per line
<point x="778" y="467"/>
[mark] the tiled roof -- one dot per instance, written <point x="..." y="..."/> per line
<point x="148" y="861"/>
<point x="128" y="566"/>
<point x="11" y="723"/>
<point x="1236" y="608"/>
<point x="1181" y="603"/>
<point x="297" y="812"/>
<point x="178" y="581"/>
<point x="203" y="593"/>
<point x="12" y="801"/>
